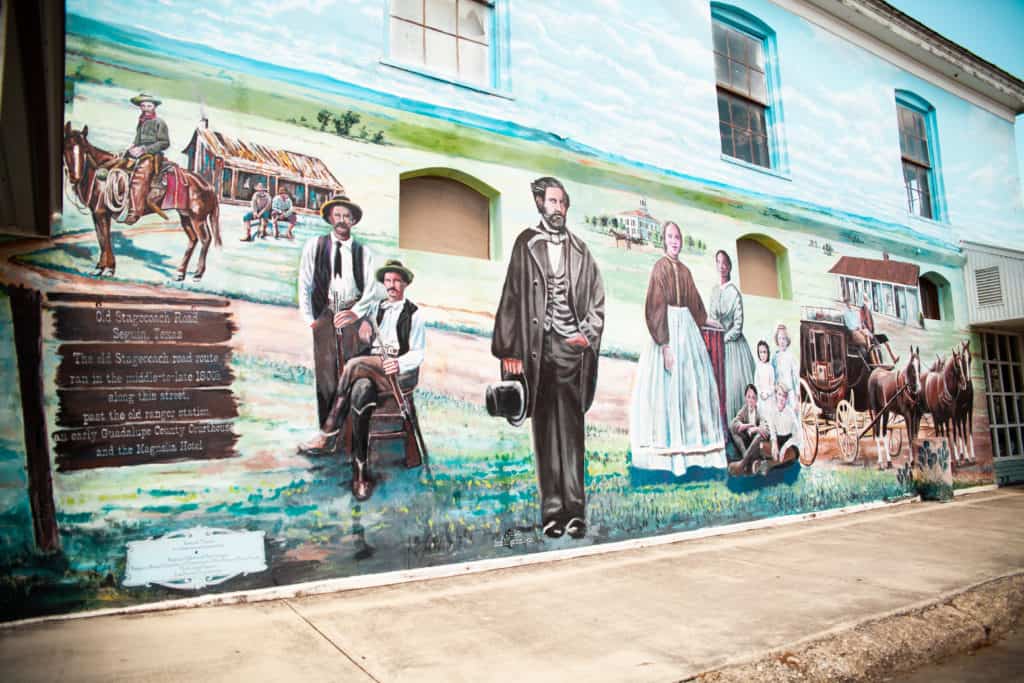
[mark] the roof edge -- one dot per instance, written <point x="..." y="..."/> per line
<point x="917" y="41"/>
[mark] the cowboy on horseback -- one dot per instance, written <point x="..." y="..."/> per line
<point x="146" y="158"/>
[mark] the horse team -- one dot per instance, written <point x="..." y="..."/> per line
<point x="944" y="390"/>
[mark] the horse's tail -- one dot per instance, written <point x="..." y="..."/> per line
<point x="213" y="220"/>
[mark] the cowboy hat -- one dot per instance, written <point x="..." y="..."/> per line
<point x="508" y="399"/>
<point x="143" y="97"/>
<point x="394" y="266"/>
<point x="341" y="200"/>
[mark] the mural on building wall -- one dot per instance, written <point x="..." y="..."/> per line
<point x="327" y="404"/>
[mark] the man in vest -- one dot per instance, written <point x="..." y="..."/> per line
<point x="397" y="351"/>
<point x="336" y="288"/>
<point x="146" y="153"/>
<point x="547" y="331"/>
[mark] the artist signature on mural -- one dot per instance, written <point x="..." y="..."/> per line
<point x="513" y="537"/>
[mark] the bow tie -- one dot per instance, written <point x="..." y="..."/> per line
<point x="554" y="237"/>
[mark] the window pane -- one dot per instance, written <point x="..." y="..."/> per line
<point x="1014" y="349"/>
<point x="406" y="42"/>
<point x="740" y="113"/>
<point x="474" y="62"/>
<point x="1011" y="411"/>
<point x="721" y="69"/>
<point x="739" y="77"/>
<point x="995" y="378"/>
<point x="726" y="134"/>
<point x="1004" y="347"/>
<point x="758" y="89"/>
<point x="926" y="195"/>
<point x="922" y="150"/>
<point x="737" y="46"/>
<point x="757" y="120"/>
<point x="475" y="21"/>
<point x="998" y="414"/>
<point x="1014" y="441"/>
<point x="441" y="52"/>
<point x="723" y="108"/>
<point x="760" y="149"/>
<point x="718" y="38"/>
<point x="742" y="140"/>
<point x="757" y="54"/>
<point x="990" y="347"/>
<point x="408" y="9"/>
<point x="441" y="14"/>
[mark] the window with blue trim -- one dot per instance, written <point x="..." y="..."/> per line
<point x="919" y="156"/>
<point x="747" y="85"/>
<point x="451" y="38"/>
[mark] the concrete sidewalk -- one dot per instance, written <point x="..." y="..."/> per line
<point x="658" y="614"/>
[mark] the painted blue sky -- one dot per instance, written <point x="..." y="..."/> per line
<point x="636" y="79"/>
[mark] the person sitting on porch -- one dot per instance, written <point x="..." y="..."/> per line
<point x="282" y="210"/>
<point x="259" y="210"/>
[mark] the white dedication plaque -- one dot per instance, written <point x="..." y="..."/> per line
<point x="194" y="558"/>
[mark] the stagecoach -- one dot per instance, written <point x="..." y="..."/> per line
<point x="834" y="374"/>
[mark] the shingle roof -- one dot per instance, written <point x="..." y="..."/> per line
<point x="251" y="156"/>
<point x="884" y="270"/>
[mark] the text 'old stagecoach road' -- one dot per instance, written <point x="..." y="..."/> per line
<point x="142" y="381"/>
<point x="105" y="324"/>
<point x="149" y="365"/>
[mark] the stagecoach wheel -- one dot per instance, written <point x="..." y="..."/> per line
<point x="809" y="419"/>
<point x="895" y="442"/>
<point x="847" y="433"/>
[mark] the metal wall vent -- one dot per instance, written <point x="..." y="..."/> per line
<point x="988" y="286"/>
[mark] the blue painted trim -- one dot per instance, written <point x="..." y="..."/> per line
<point x="940" y="210"/>
<point x="444" y="78"/>
<point x="745" y="22"/>
<point x="775" y="173"/>
<point x="154" y="43"/>
<point x="498" y="54"/>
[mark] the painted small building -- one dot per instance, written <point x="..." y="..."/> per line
<point x="639" y="225"/>
<point x="235" y="166"/>
<point x="890" y="287"/>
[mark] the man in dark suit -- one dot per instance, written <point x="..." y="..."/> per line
<point x="547" y="331"/>
<point x="396" y="350"/>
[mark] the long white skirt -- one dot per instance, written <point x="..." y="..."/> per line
<point x="674" y="420"/>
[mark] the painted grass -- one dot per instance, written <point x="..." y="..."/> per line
<point x="480" y="485"/>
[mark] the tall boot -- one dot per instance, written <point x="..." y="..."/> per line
<point x="362" y="411"/>
<point x="138" y="191"/>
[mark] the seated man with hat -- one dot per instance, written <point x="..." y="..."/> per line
<point x="259" y="210"/>
<point x="396" y="354"/>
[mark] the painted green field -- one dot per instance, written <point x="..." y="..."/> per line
<point x="462" y="507"/>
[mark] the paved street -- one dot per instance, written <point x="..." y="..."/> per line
<point x="656" y="614"/>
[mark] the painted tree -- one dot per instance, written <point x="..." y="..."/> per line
<point x="349" y="119"/>
<point x="324" y="117"/>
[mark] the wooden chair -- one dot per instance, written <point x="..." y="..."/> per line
<point x="387" y="424"/>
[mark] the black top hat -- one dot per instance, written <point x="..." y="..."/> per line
<point x="342" y="200"/>
<point x="508" y="399"/>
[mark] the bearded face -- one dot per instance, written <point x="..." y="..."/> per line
<point x="554" y="208"/>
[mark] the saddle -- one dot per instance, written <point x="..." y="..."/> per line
<point x="176" y="196"/>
